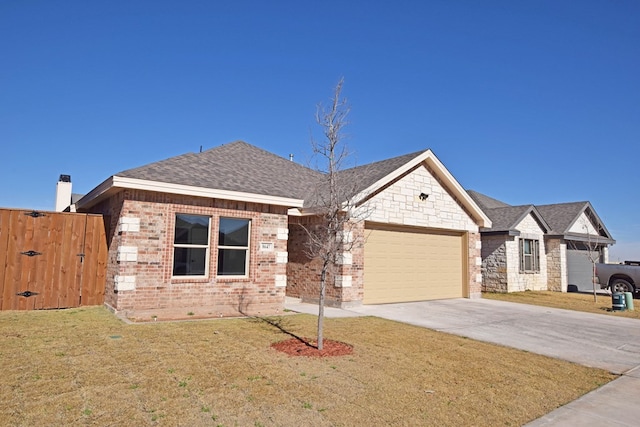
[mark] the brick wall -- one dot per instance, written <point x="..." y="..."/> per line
<point x="474" y="262"/>
<point x="141" y="256"/>
<point x="343" y="283"/>
<point x="111" y="210"/>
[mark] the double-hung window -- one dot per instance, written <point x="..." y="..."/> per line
<point x="233" y="246"/>
<point x="529" y="255"/>
<point x="191" y="245"/>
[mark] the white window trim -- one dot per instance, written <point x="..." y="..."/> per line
<point x="184" y="245"/>
<point x="246" y="248"/>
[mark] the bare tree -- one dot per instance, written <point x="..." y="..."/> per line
<point x="592" y="246"/>
<point x="330" y="235"/>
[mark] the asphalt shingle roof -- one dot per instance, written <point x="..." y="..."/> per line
<point x="239" y="166"/>
<point x="366" y="175"/>
<point x="561" y="216"/>
<point x="354" y="180"/>
<point x="236" y="166"/>
<point x="508" y="217"/>
<point x="485" y="202"/>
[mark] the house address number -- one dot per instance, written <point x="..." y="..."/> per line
<point x="266" y="246"/>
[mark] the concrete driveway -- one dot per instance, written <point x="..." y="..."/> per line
<point x="594" y="340"/>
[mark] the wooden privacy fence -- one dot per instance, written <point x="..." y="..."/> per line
<point x="51" y="259"/>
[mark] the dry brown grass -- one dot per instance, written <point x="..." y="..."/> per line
<point x="569" y="301"/>
<point x="85" y="367"/>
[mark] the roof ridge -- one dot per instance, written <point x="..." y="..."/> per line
<point x="582" y="202"/>
<point x="392" y="159"/>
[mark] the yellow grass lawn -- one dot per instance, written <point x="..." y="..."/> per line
<point x="86" y="367"/>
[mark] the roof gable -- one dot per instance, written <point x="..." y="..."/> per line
<point x="563" y="216"/>
<point x="506" y="219"/>
<point x="376" y="176"/>
<point x="354" y="180"/>
<point x="417" y="198"/>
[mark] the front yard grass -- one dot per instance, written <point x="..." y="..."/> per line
<point x="566" y="300"/>
<point x="86" y="367"/>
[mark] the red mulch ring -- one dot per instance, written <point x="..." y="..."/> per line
<point x="306" y="347"/>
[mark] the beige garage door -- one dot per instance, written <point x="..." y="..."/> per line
<point x="407" y="265"/>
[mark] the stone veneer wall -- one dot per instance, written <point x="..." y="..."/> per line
<point x="501" y="261"/>
<point x="139" y="272"/>
<point x="494" y="263"/>
<point x="517" y="281"/>
<point x="398" y="203"/>
<point x="556" y="265"/>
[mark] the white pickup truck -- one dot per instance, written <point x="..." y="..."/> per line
<point x="619" y="277"/>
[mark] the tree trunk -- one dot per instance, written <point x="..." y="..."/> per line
<point x="593" y="281"/>
<point x="323" y="280"/>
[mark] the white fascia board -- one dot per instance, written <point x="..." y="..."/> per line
<point x="314" y="211"/>
<point x="96" y="193"/>
<point x="452" y="184"/>
<point x="303" y="212"/>
<point x="165" y="187"/>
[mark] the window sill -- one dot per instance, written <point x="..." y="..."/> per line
<point x="189" y="279"/>
<point x="230" y="278"/>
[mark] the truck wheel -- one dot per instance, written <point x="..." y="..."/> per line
<point x="621" y="285"/>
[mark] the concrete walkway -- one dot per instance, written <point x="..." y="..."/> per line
<point x="594" y="340"/>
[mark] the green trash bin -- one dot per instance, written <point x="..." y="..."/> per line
<point x="628" y="300"/>
<point x="617" y="301"/>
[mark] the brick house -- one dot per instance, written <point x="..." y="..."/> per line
<point x="545" y="247"/>
<point x="217" y="233"/>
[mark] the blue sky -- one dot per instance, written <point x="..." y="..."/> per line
<point x="526" y="101"/>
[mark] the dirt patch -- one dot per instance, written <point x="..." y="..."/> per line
<point x="308" y="348"/>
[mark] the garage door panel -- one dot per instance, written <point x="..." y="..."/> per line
<point x="580" y="269"/>
<point x="412" y="266"/>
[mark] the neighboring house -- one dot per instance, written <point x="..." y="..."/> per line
<point x="548" y="247"/>
<point x="217" y="233"/>
<point x="578" y="236"/>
